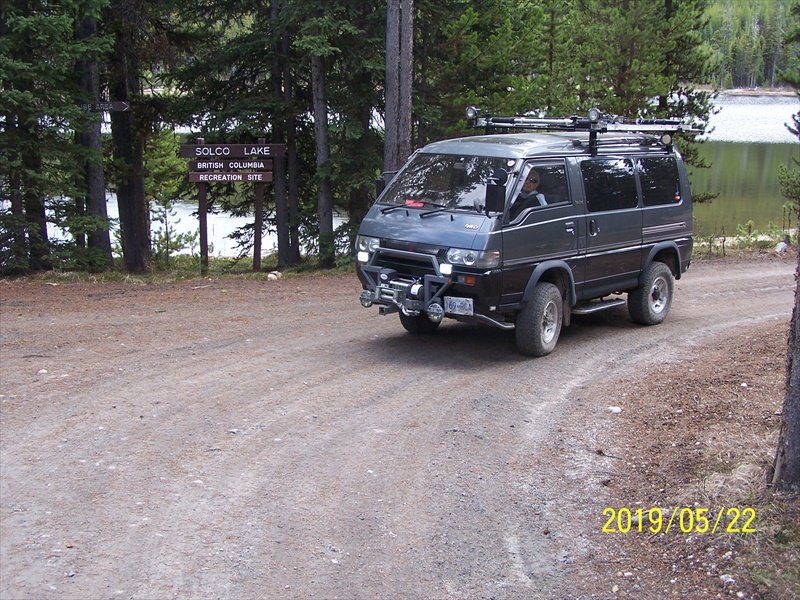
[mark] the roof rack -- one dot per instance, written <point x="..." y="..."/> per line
<point x="594" y="122"/>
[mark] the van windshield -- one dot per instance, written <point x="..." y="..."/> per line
<point x="443" y="181"/>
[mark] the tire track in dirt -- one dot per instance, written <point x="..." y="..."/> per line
<point x="252" y="439"/>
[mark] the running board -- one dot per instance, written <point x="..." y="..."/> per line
<point x="593" y="307"/>
<point x="494" y="323"/>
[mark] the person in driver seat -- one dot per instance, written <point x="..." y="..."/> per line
<point x="529" y="196"/>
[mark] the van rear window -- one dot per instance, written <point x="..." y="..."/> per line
<point x="609" y="184"/>
<point x="658" y="176"/>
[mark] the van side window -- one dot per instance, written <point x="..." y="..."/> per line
<point x="540" y="184"/>
<point x="659" y="178"/>
<point x="610" y="184"/>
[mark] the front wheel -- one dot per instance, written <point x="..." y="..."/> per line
<point x="539" y="321"/>
<point x="650" y="302"/>
<point x="418" y="324"/>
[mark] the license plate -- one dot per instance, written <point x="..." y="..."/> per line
<point x="457" y="306"/>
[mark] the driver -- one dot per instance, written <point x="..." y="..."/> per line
<point x="529" y="196"/>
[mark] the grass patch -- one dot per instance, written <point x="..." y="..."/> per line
<point x="185" y="267"/>
<point x="772" y="555"/>
<point x="746" y="239"/>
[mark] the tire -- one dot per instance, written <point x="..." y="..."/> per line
<point x="539" y="321"/>
<point x="418" y="324"/>
<point x="650" y="302"/>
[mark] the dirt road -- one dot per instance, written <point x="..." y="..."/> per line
<point x="224" y="438"/>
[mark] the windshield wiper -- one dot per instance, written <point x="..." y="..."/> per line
<point x="434" y="211"/>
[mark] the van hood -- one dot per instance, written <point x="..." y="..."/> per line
<point x="446" y="229"/>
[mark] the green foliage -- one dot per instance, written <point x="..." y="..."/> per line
<point x="209" y="64"/>
<point x="789" y="175"/>
<point x="748" y="42"/>
<point x="165" y="174"/>
<point x="41" y="110"/>
<point x="789" y="179"/>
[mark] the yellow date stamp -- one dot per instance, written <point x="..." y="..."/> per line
<point x="680" y="519"/>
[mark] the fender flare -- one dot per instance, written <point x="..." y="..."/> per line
<point x="660" y="247"/>
<point x="548" y="265"/>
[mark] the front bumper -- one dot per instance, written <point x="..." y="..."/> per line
<point x="413" y="283"/>
<point x="394" y="291"/>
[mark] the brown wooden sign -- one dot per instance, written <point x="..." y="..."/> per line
<point x="227" y="164"/>
<point x="223" y="151"/>
<point x="205" y="177"/>
<point x="231" y="163"/>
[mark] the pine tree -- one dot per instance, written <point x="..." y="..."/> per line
<point x="786" y="471"/>
<point x="41" y="107"/>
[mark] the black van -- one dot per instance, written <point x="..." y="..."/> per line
<point x="522" y="230"/>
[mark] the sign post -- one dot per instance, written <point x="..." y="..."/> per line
<point x="231" y="163"/>
<point x="202" y="216"/>
<point x="259" y="222"/>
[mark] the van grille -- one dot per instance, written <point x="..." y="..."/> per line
<point x="408" y="262"/>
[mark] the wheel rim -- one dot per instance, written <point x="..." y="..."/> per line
<point x="549" y="322"/>
<point x="659" y="295"/>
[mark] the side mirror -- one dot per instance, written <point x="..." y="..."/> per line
<point x="385" y="178"/>
<point x="496" y="191"/>
<point x="500" y="176"/>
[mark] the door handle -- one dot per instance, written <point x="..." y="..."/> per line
<point x="594" y="229"/>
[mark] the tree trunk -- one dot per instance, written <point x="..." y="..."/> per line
<point x="134" y="214"/>
<point x="292" y="167"/>
<point x="787" y="459"/>
<point x="391" y="87"/>
<point x="324" y="195"/>
<point x="405" y="79"/>
<point x="279" y="137"/>
<point x="293" y="177"/>
<point x="19" y="262"/>
<point x="88" y="70"/>
<point x="33" y="200"/>
<point x="26" y="190"/>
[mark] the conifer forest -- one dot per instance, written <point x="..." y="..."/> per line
<point x="98" y="95"/>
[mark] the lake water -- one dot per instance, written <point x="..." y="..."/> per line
<point x="747" y="142"/>
<point x="220" y="227"/>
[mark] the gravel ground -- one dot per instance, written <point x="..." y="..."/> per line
<point x="237" y="438"/>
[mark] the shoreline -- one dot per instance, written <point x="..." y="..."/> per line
<point x="785" y="92"/>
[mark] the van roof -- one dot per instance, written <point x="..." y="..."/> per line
<point x="527" y="145"/>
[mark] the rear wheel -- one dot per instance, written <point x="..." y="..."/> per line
<point x="418" y="324"/>
<point x="650" y="302"/>
<point x="539" y="321"/>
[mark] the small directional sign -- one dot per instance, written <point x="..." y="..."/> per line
<point x="231" y="177"/>
<point x="117" y="106"/>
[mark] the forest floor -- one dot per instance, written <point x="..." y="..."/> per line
<point x="701" y="435"/>
<point x="232" y="437"/>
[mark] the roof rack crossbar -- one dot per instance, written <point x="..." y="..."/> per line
<point x="595" y="122"/>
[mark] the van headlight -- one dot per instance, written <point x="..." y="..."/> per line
<point x="365" y="243"/>
<point x="365" y="246"/>
<point x="479" y="259"/>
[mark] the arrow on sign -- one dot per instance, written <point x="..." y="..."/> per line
<point x="117" y="106"/>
